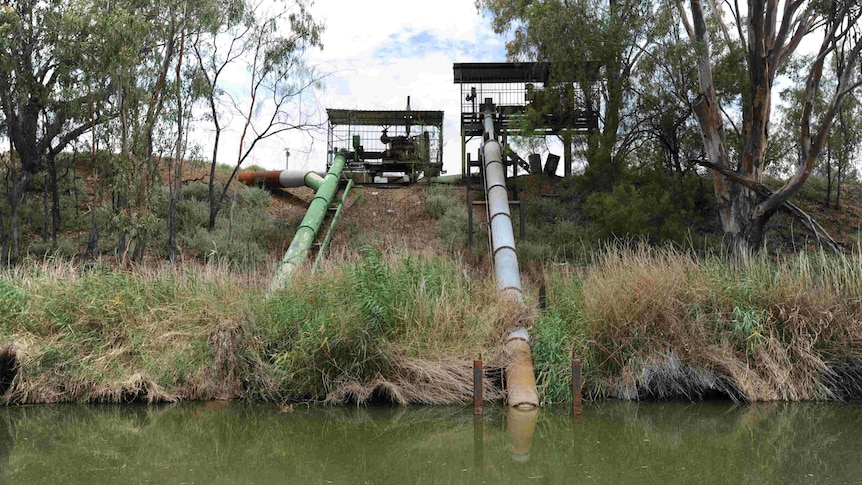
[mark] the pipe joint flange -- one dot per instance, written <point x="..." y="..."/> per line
<point x="519" y="334"/>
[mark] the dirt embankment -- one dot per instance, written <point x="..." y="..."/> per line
<point x="394" y="217"/>
<point x="384" y="217"/>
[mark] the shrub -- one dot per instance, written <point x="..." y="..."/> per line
<point x="438" y="200"/>
<point x="654" y="206"/>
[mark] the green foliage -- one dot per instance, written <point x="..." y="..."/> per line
<point x="814" y="190"/>
<point x="553" y="338"/>
<point x="13" y="300"/>
<point x="244" y="230"/>
<point x="452" y="229"/>
<point x="439" y="199"/>
<point x="622" y="212"/>
<point x="748" y="328"/>
<point x="442" y="204"/>
<point x="200" y="191"/>
<point x="352" y="324"/>
<point x="649" y="204"/>
<point x="244" y="233"/>
<point x="559" y="333"/>
<point x="654" y="206"/>
<point x="560" y="240"/>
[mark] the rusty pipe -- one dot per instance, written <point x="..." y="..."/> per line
<point x="274" y="179"/>
<point x="520" y="376"/>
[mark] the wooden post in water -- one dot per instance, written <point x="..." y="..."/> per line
<point x="576" y="386"/>
<point x="478" y="374"/>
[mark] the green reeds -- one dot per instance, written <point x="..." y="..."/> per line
<point x="365" y="320"/>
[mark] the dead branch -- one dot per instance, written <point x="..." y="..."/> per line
<point x="822" y="236"/>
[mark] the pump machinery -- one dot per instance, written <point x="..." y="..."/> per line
<point x="385" y="147"/>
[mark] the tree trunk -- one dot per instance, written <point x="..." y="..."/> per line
<point x="19" y="182"/>
<point x="93" y="238"/>
<point x="828" y="200"/>
<point x="176" y="177"/>
<point x="140" y="249"/>
<point x="742" y="232"/>
<point x="172" y="216"/>
<point x="46" y="214"/>
<point x="838" y="178"/>
<point x="215" y="201"/>
<point x="121" y="204"/>
<point x="55" y="200"/>
<point x="747" y="234"/>
<point x="4" y="239"/>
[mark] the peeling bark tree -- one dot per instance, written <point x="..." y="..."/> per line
<point x="774" y="30"/>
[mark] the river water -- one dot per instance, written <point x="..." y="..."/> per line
<point x="612" y="443"/>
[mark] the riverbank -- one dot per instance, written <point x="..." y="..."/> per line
<point x="648" y="323"/>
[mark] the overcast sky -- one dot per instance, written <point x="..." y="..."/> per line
<point x="380" y="52"/>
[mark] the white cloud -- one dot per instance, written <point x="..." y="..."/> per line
<point x="381" y="52"/>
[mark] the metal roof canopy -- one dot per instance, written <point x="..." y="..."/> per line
<point x="383" y="118"/>
<point x="511" y="72"/>
<point x="471" y="72"/>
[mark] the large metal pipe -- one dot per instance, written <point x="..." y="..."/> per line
<point x="506" y="269"/>
<point x="520" y="376"/>
<point x="281" y="178"/>
<point x="310" y="225"/>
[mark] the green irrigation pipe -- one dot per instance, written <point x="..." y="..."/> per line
<point x="328" y="238"/>
<point x="310" y="225"/>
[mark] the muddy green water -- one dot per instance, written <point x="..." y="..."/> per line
<point x="612" y="443"/>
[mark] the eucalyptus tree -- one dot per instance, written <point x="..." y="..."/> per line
<point x="663" y="128"/>
<point x="841" y="147"/>
<point x="147" y="33"/>
<point x="844" y="139"/>
<point x="269" y="42"/>
<point x="192" y="19"/>
<point x="847" y="143"/>
<point x="68" y="67"/>
<point x="769" y="33"/>
<point x="613" y="35"/>
<point x="155" y="99"/>
<point x="216" y="51"/>
<point x="54" y="62"/>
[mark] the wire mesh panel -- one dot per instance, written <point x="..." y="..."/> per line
<point x="528" y="98"/>
<point x="523" y="90"/>
<point x="406" y="142"/>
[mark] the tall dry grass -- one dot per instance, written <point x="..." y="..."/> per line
<point x="97" y="333"/>
<point x="665" y="323"/>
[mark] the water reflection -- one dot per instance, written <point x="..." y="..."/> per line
<point x="522" y="426"/>
<point x="611" y="443"/>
